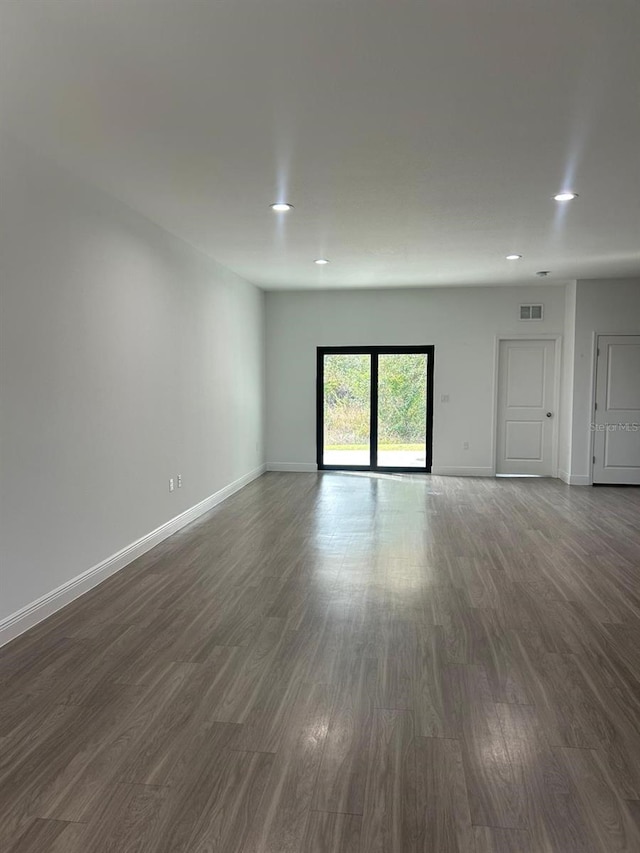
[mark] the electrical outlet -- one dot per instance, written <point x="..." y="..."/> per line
<point x="170" y="484"/>
<point x="179" y="478"/>
<point x="444" y="398"/>
<point x="465" y="445"/>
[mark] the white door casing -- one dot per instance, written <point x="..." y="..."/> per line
<point x="526" y="407"/>
<point x="616" y="421"/>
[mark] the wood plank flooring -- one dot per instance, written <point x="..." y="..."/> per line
<point x="343" y="664"/>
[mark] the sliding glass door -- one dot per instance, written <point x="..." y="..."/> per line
<point x="375" y="408"/>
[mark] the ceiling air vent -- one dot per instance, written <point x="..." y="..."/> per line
<point x="531" y="312"/>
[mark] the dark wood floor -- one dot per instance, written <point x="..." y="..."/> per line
<point x="345" y="663"/>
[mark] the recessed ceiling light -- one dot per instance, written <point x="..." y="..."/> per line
<point x="565" y="196"/>
<point x="514" y="257"/>
<point x="321" y="261"/>
<point x="281" y="207"/>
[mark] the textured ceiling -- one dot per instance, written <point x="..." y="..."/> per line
<point x="420" y="142"/>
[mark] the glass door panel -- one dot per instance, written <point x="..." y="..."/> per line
<point x="347" y="410"/>
<point x="402" y="410"/>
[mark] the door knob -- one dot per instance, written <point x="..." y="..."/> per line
<point x="549" y="414"/>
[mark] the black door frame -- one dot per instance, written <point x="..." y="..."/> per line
<point x="374" y="352"/>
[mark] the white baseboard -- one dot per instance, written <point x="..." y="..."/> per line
<point x="574" y="479"/>
<point x="448" y="471"/>
<point x="17" y="623"/>
<point x="295" y="467"/>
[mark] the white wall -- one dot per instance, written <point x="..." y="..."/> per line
<point x="461" y="322"/>
<point x="566" y="399"/>
<point x="603" y="307"/>
<point x="126" y="357"/>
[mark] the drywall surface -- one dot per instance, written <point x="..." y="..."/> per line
<point x="126" y="358"/>
<point x="462" y="323"/>
<point x="566" y="402"/>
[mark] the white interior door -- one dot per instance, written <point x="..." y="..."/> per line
<point x="616" y="446"/>
<point x="526" y="416"/>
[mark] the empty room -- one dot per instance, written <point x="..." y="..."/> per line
<point x="320" y="426"/>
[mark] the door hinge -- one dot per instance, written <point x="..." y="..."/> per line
<point x="596" y="407"/>
<point x="594" y="458"/>
<point x="598" y="352"/>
